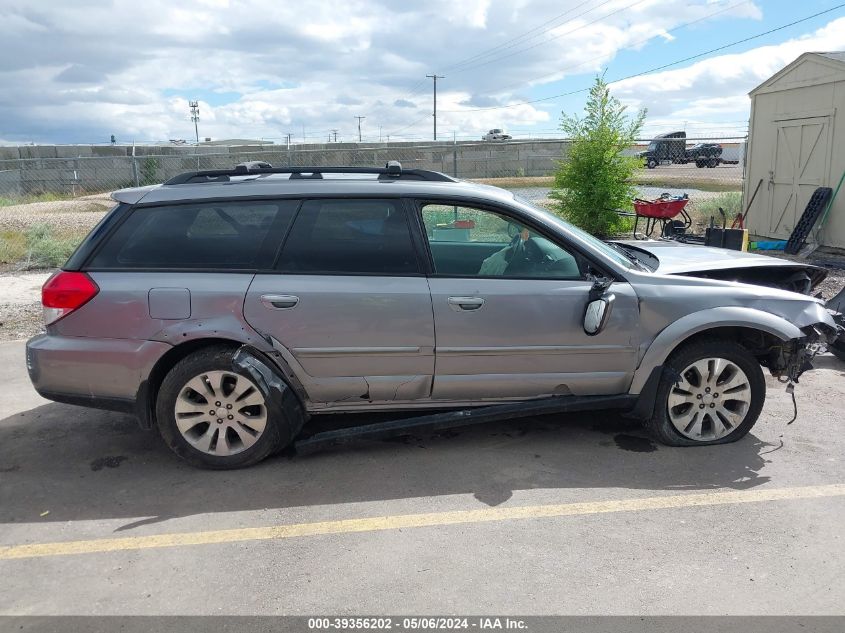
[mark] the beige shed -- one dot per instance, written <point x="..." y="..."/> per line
<point x="797" y="143"/>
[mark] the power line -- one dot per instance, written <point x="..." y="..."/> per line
<point x="528" y="48"/>
<point x="664" y="66"/>
<point x="515" y="41"/>
<point x="394" y="133"/>
<point x="629" y="46"/>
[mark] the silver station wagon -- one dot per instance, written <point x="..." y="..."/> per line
<point x="228" y="308"/>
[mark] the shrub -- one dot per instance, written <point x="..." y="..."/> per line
<point x="45" y="250"/>
<point x="594" y="180"/>
<point x="149" y="171"/>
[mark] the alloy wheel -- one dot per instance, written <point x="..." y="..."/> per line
<point x="709" y="400"/>
<point x="220" y="413"/>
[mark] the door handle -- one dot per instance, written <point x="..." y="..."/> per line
<point x="465" y="303"/>
<point x="279" y="302"/>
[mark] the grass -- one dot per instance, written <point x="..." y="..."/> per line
<point x="701" y="212"/>
<point x="688" y="181"/>
<point x="516" y="182"/>
<point x="39" y="246"/>
<point x="6" y="201"/>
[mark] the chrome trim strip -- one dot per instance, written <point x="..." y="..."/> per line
<point x="354" y="351"/>
<point x="535" y="349"/>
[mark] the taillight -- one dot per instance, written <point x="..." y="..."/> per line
<point x="64" y="292"/>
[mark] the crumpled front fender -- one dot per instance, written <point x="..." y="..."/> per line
<point x="730" y="316"/>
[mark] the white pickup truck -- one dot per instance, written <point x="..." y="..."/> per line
<point x="496" y="135"/>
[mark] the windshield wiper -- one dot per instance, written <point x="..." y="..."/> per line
<point x="630" y="256"/>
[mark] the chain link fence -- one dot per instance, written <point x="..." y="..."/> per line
<point x="51" y="196"/>
<point x="41" y="172"/>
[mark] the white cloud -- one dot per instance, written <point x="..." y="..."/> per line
<point x="84" y="70"/>
<point x="716" y="89"/>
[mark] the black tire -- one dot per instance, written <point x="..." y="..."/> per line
<point x="713" y="162"/>
<point x="274" y="436"/>
<point x="651" y="164"/>
<point x="700" y="163"/>
<point x="660" y="426"/>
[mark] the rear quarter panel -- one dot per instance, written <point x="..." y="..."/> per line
<point x="121" y="310"/>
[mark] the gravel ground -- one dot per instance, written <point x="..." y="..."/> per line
<point x="833" y="283"/>
<point x="20" y="321"/>
<point x="20" y="307"/>
<point x="64" y="215"/>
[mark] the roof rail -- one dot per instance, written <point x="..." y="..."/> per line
<point x="391" y="171"/>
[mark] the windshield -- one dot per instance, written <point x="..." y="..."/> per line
<point x="652" y="146"/>
<point x="606" y="249"/>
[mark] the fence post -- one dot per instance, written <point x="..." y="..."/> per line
<point x="454" y="156"/>
<point x="135" y="176"/>
<point x="76" y="180"/>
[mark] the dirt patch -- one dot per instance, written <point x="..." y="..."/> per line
<point x="65" y="215"/>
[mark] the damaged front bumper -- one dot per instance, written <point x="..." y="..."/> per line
<point x="791" y="359"/>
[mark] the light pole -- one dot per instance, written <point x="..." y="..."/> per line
<point x="195" y="117"/>
<point x="360" y="118"/>
<point x="435" y="78"/>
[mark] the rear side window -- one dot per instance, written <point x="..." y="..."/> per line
<point x="364" y="237"/>
<point x="217" y="235"/>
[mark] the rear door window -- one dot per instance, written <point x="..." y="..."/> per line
<point x="208" y="235"/>
<point x="350" y="237"/>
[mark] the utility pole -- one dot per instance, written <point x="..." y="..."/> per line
<point x="334" y="132"/>
<point x="195" y="117"/>
<point x="360" y="118"/>
<point x="435" y="77"/>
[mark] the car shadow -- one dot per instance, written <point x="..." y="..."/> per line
<point x="80" y="464"/>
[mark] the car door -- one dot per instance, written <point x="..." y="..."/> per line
<point x="509" y="304"/>
<point x="349" y="303"/>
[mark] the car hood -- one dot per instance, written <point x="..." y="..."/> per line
<point x="677" y="258"/>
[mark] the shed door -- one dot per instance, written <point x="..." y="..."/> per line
<point x="801" y="163"/>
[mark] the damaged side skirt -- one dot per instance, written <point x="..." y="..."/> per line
<point x="463" y="417"/>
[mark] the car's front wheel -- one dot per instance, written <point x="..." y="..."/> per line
<point x="215" y="417"/>
<point x="711" y="392"/>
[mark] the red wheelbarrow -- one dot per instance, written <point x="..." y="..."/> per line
<point x="661" y="211"/>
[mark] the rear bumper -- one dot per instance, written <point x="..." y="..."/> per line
<point x="99" y="373"/>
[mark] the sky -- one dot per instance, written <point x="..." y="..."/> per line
<point x="81" y="71"/>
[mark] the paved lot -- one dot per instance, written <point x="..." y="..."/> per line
<point x="560" y="515"/>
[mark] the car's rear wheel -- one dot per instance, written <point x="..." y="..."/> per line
<point x="711" y="392"/>
<point x="213" y="416"/>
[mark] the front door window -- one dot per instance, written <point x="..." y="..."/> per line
<point x="472" y="242"/>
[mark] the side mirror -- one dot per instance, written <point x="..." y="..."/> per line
<point x="599" y="306"/>
<point x="596" y="315"/>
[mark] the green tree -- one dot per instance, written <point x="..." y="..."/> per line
<point x="594" y="181"/>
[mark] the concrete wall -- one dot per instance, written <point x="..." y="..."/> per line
<point x="80" y="169"/>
